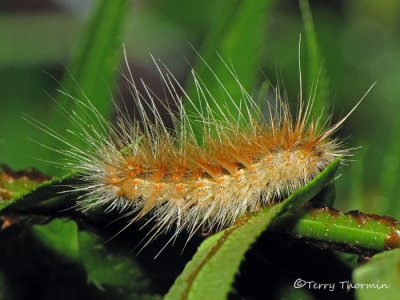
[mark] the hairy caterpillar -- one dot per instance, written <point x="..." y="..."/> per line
<point x="145" y="169"/>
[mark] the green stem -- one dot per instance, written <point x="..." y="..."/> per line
<point x="354" y="230"/>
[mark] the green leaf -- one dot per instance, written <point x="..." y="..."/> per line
<point x="316" y="68"/>
<point x="17" y="184"/>
<point x="13" y="185"/>
<point x="210" y="274"/>
<point x="379" y="278"/>
<point x="37" y="196"/>
<point x="236" y="34"/>
<point x="93" y="67"/>
<point x="61" y="236"/>
<point x="91" y="74"/>
<point x="108" y="267"/>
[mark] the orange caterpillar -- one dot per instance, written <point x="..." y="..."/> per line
<point x="185" y="184"/>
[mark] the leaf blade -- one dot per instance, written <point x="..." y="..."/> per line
<point x="93" y="66"/>
<point x="236" y="35"/>
<point x="383" y="272"/>
<point x="316" y="68"/>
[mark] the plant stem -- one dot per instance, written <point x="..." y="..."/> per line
<point x="353" y="230"/>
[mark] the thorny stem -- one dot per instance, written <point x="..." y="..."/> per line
<point x="330" y="228"/>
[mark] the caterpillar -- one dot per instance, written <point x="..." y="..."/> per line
<point x="186" y="183"/>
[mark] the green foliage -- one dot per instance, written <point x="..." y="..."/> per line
<point x="61" y="236"/>
<point x="234" y="40"/>
<point x="13" y="186"/>
<point x="107" y="267"/>
<point x="35" y="194"/>
<point x="347" y="47"/>
<point x="318" y="82"/>
<point x="94" y="64"/>
<point x="92" y="72"/>
<point x="379" y="278"/>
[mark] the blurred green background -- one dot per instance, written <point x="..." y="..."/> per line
<point x="359" y="42"/>
<point x="356" y="43"/>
